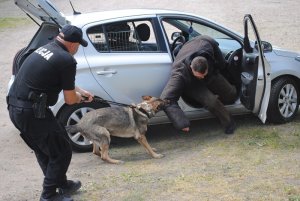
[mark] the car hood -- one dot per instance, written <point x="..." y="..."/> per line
<point x="43" y="10"/>
<point x="285" y="53"/>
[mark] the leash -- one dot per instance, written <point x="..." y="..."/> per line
<point x="101" y="100"/>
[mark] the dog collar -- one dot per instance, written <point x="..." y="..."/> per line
<point x="144" y="112"/>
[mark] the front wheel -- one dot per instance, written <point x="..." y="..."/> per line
<point x="284" y="102"/>
<point x="70" y="115"/>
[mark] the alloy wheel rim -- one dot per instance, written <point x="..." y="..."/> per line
<point x="74" y="118"/>
<point x="287" y="100"/>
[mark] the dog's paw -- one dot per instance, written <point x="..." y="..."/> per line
<point x="158" y="156"/>
<point x="112" y="161"/>
<point x="120" y="162"/>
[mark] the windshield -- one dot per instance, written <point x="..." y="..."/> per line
<point x="190" y="29"/>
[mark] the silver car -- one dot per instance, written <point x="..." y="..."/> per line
<point x="130" y="54"/>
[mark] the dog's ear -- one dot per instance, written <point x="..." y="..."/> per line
<point x="146" y="98"/>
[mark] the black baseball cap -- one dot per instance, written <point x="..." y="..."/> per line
<point x="72" y="34"/>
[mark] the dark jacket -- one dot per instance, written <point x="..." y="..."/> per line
<point x="182" y="76"/>
<point x="49" y="69"/>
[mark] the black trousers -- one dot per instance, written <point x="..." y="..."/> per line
<point x="48" y="139"/>
<point x="213" y="95"/>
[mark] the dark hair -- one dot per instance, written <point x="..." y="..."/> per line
<point x="199" y="64"/>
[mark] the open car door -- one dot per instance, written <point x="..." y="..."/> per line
<point x="255" y="76"/>
<point x="43" y="10"/>
<point x="52" y="19"/>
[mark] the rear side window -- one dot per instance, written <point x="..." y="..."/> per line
<point x="125" y="36"/>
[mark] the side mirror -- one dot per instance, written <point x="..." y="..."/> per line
<point x="266" y="46"/>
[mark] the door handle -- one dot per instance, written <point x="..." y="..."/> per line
<point x="105" y="72"/>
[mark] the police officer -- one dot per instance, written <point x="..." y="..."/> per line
<point x="196" y="76"/>
<point x="44" y="73"/>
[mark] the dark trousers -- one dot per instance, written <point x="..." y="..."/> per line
<point x="48" y="139"/>
<point x="212" y="95"/>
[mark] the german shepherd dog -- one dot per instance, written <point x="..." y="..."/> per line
<point x="98" y="125"/>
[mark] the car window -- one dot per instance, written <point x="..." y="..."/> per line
<point x="125" y="36"/>
<point x="190" y="29"/>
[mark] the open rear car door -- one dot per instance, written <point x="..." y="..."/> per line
<point x="255" y="76"/>
<point x="52" y="20"/>
<point x="43" y="10"/>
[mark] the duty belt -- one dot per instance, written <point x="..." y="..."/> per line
<point x="19" y="102"/>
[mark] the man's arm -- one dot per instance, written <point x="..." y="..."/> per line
<point x="172" y="91"/>
<point x="77" y="95"/>
<point x="177" y="117"/>
<point x="220" y="60"/>
<point x="174" y="87"/>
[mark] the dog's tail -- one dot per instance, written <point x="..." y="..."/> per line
<point x="72" y="128"/>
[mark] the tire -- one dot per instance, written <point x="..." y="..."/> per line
<point x="284" y="101"/>
<point x="70" y="115"/>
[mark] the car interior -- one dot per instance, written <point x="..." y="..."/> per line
<point x="132" y="36"/>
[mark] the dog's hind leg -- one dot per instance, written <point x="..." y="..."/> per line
<point x="96" y="149"/>
<point x="143" y="141"/>
<point x="101" y="139"/>
<point x="105" y="156"/>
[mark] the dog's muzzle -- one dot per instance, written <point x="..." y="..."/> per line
<point x="146" y="109"/>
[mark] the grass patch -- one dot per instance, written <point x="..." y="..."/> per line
<point x="273" y="138"/>
<point x="293" y="193"/>
<point x="261" y="137"/>
<point x="12" y="22"/>
<point x="294" y="198"/>
<point x="134" y="197"/>
<point x="258" y="162"/>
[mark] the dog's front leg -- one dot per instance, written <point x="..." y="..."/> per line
<point x="143" y="141"/>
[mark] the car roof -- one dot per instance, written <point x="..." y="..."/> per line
<point x="81" y="19"/>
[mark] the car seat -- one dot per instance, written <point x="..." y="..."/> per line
<point x="142" y="34"/>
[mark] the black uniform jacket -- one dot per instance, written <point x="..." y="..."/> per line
<point x="48" y="69"/>
<point x="182" y="76"/>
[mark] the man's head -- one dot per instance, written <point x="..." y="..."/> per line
<point x="199" y="67"/>
<point x="71" y="36"/>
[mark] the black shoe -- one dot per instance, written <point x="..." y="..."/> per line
<point x="70" y="188"/>
<point x="56" y="197"/>
<point x="230" y="128"/>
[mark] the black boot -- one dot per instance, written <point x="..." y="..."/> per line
<point x="70" y="187"/>
<point x="56" y="197"/>
<point x="230" y="128"/>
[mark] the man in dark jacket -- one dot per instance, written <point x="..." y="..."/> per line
<point x="196" y="76"/>
<point x="43" y="74"/>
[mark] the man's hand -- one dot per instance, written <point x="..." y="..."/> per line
<point x="86" y="96"/>
<point x="77" y="95"/>
<point x="187" y="129"/>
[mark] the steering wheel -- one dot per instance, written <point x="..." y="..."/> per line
<point x="232" y="70"/>
<point x="177" y="44"/>
<point x="234" y="58"/>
